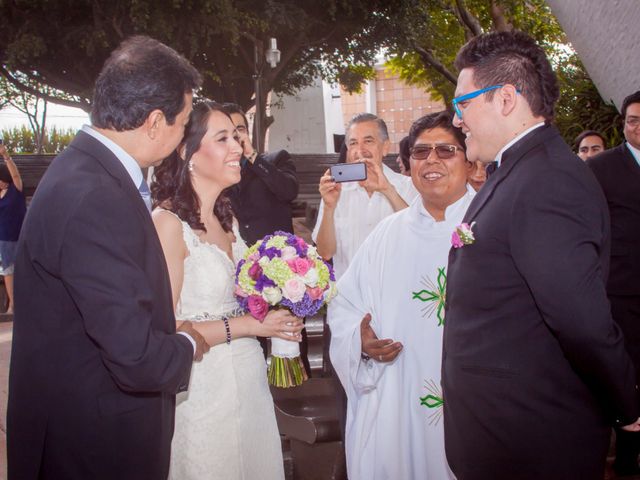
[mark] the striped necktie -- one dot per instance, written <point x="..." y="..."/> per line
<point x="145" y="194"/>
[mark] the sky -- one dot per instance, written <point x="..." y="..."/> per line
<point x="57" y="115"/>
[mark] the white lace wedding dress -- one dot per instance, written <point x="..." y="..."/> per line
<point x="225" y="423"/>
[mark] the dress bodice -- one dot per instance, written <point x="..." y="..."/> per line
<point x="209" y="277"/>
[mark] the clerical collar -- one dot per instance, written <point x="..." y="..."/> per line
<point x="634" y="151"/>
<point x="498" y="159"/>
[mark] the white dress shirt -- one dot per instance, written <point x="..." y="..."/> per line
<point x="504" y="149"/>
<point x="634" y="151"/>
<point x="357" y="214"/>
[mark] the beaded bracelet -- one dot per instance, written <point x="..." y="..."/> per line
<point x="225" y="320"/>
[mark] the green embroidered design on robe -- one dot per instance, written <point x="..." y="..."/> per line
<point x="433" y="401"/>
<point x="433" y="295"/>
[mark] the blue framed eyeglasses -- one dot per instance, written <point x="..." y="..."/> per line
<point x="469" y="96"/>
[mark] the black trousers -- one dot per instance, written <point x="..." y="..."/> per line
<point x="626" y="312"/>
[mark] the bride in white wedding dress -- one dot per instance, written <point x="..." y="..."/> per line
<point x="225" y="424"/>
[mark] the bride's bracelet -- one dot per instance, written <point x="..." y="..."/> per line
<point x="225" y="320"/>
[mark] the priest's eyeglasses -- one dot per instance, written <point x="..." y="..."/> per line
<point x="443" y="151"/>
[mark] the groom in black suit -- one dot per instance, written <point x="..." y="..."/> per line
<point x="618" y="172"/>
<point x="96" y="361"/>
<point x="534" y="368"/>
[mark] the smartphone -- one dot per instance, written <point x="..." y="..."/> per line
<point x="349" y="172"/>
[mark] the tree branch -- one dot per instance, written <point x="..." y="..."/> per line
<point x="430" y="61"/>
<point x="500" y="22"/>
<point x="84" y="105"/>
<point x="470" y="23"/>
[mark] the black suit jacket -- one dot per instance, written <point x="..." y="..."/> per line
<point x="95" y="362"/>
<point x="534" y="368"/>
<point x="262" y="200"/>
<point x="619" y="176"/>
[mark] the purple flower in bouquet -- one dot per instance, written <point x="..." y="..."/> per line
<point x="262" y="282"/>
<point x="304" y="307"/>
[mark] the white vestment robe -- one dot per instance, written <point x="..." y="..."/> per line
<point x="394" y="414"/>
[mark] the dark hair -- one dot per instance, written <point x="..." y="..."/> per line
<point x="140" y="76"/>
<point x="369" y="117"/>
<point x="589" y="133"/>
<point x="404" y="152"/>
<point x="633" y="98"/>
<point x="172" y="188"/>
<point x="5" y="174"/>
<point x="235" y="108"/>
<point x="500" y="58"/>
<point x="441" y="119"/>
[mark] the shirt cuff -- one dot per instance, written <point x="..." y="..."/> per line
<point x="193" y="342"/>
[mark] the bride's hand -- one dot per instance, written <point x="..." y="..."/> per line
<point x="281" y="324"/>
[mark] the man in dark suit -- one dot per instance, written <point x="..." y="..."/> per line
<point x="96" y="361"/>
<point x="618" y="171"/>
<point x="262" y="200"/>
<point x="534" y="368"/>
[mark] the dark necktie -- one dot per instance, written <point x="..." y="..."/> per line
<point x="145" y="194"/>
<point x="492" y="167"/>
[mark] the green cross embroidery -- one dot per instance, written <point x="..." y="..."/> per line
<point x="434" y="296"/>
<point x="433" y="401"/>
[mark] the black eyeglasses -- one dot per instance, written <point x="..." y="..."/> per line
<point x="422" y="152"/>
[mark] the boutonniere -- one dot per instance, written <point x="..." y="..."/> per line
<point x="463" y="235"/>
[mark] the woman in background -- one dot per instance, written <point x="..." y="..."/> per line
<point x="13" y="208"/>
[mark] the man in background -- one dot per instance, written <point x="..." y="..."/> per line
<point x="618" y="171"/>
<point x="589" y="143"/>
<point x="262" y="200"/>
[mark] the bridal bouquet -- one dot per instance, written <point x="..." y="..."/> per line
<point x="282" y="271"/>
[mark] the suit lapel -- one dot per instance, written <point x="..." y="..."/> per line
<point x="92" y="147"/>
<point x="509" y="159"/>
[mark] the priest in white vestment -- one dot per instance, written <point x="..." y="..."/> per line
<point x="386" y="326"/>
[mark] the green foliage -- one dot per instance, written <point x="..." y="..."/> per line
<point x="63" y="43"/>
<point x="581" y="107"/>
<point x="22" y="140"/>
<point x="437" y="28"/>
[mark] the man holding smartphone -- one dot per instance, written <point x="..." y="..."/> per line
<point x="350" y="211"/>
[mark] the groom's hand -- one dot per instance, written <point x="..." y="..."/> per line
<point x="385" y="350"/>
<point x="202" y="346"/>
<point x="633" y="427"/>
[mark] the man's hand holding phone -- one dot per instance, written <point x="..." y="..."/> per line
<point x="376" y="179"/>
<point x="329" y="190"/>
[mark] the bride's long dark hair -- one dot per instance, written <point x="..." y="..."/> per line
<point x="172" y="188"/>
